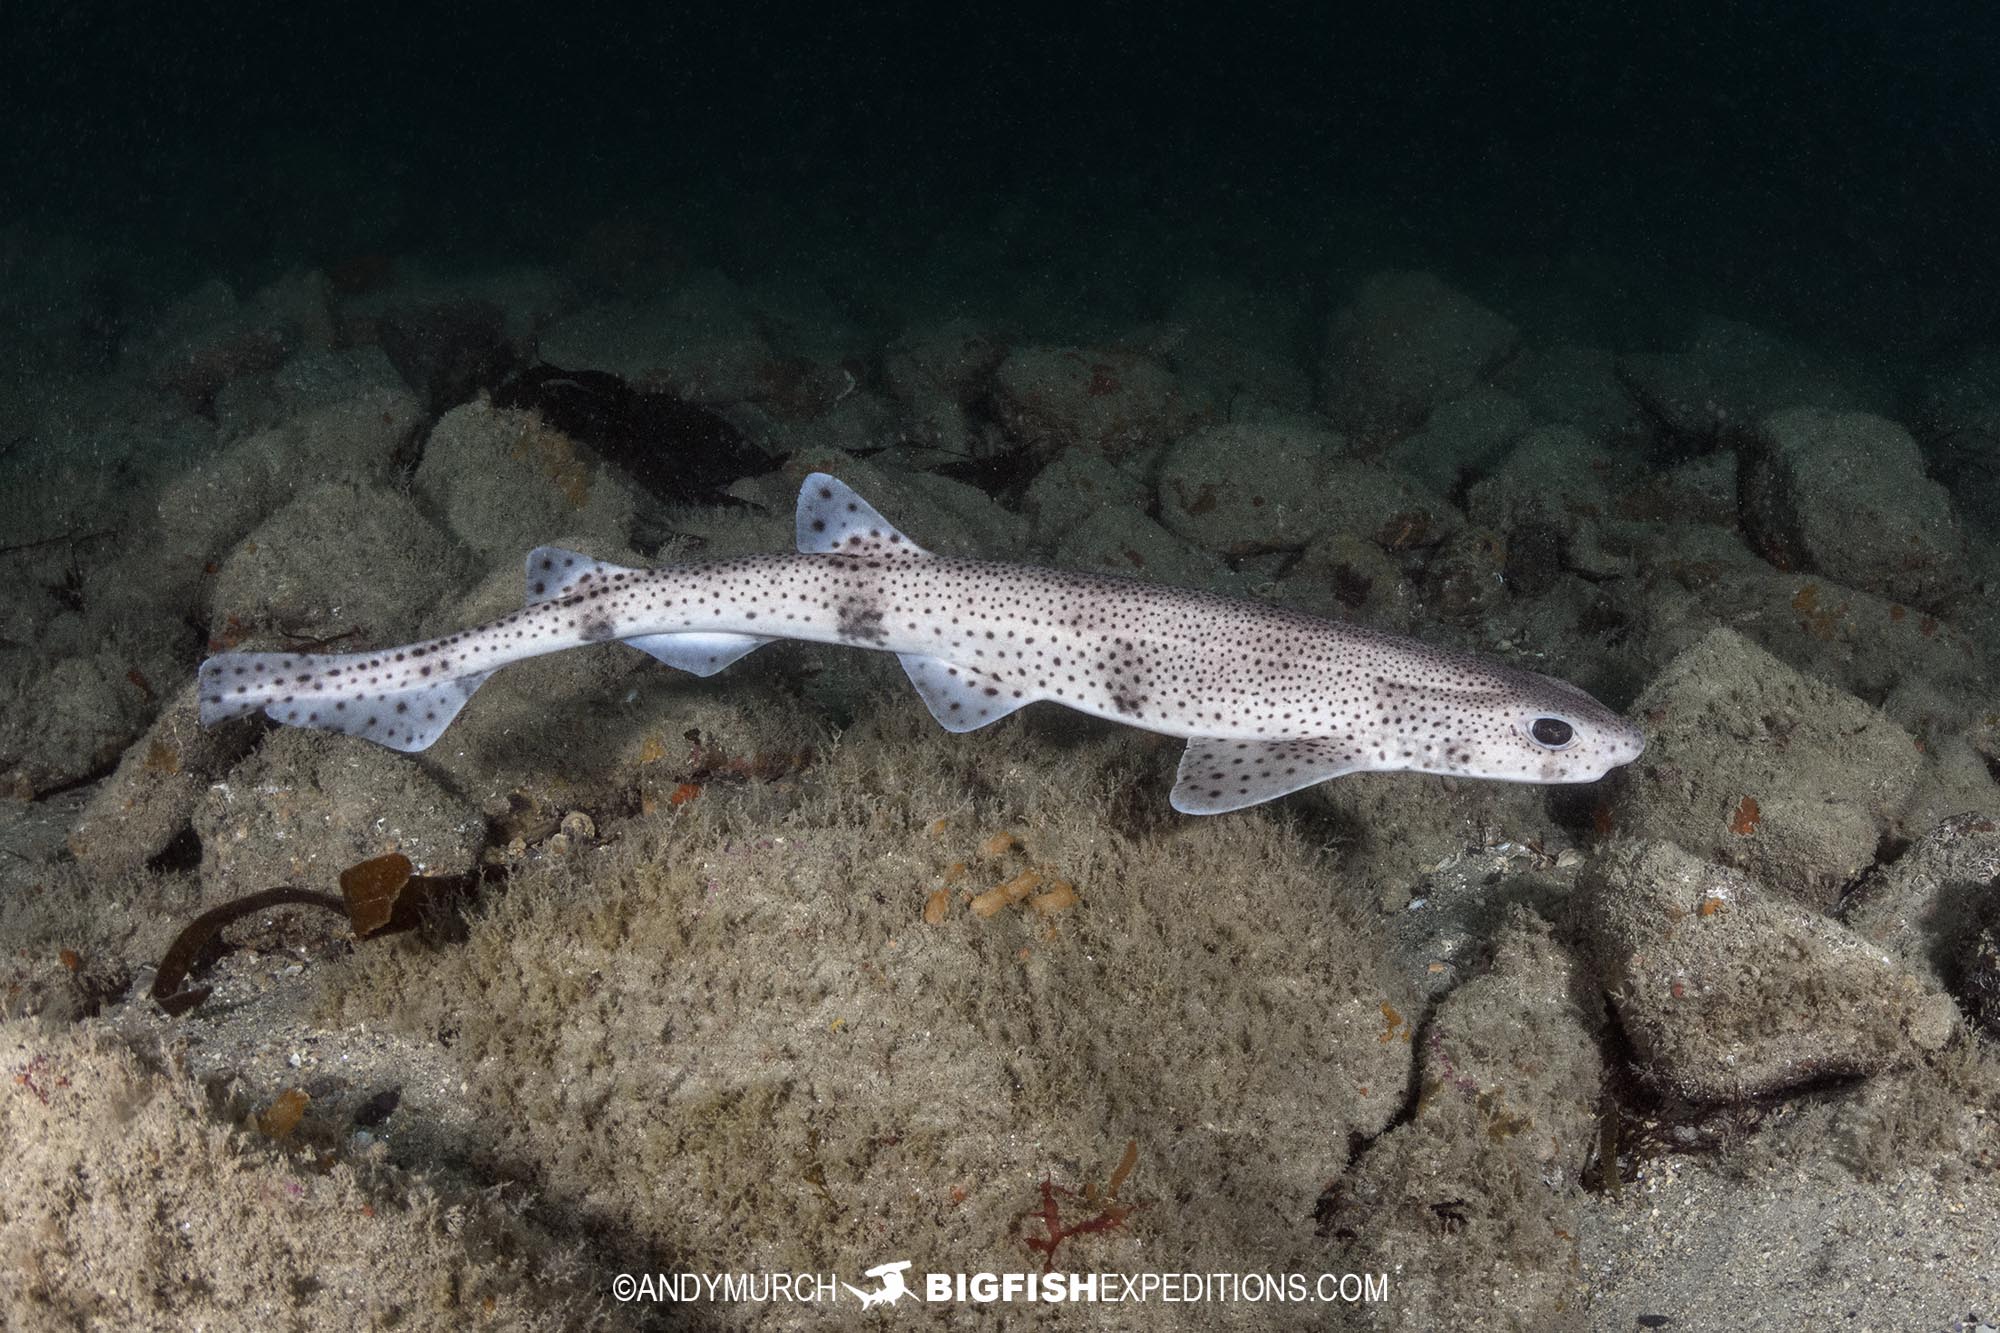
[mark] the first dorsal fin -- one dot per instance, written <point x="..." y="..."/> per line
<point x="833" y="520"/>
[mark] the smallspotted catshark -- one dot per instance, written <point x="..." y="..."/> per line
<point x="1270" y="700"/>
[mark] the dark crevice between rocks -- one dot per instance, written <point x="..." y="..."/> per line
<point x="1003" y="475"/>
<point x="182" y="854"/>
<point x="1583" y="810"/>
<point x="1327" y="1207"/>
<point x="1640" y="1122"/>
<point x="677" y="451"/>
<point x="85" y="779"/>
<point x="447" y="351"/>
<point x="1888" y="851"/>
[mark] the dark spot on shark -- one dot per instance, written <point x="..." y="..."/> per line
<point x="861" y="622"/>
<point x="1128" y="704"/>
<point x="594" y="629"/>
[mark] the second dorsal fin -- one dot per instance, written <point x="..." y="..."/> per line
<point x="554" y="572"/>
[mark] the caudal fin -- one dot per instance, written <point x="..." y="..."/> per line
<point x="329" y="692"/>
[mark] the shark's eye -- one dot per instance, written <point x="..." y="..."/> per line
<point x="1552" y="732"/>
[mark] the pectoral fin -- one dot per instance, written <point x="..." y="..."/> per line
<point x="1217" y="776"/>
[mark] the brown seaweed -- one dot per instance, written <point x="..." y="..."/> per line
<point x="187" y="946"/>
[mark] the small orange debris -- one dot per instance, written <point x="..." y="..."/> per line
<point x="1896" y="612"/>
<point x="1709" y="907"/>
<point x="1745" y="821"/>
<point x="954" y="872"/>
<point x="282" y="1116"/>
<point x="1006" y="895"/>
<point x="959" y="1194"/>
<point x="998" y="845"/>
<point x="684" y="793"/>
<point x="1126" y="1162"/>
<point x="1394" y="1021"/>
<point x="653" y="751"/>
<point x="1060" y="897"/>
<point x="70" y="959"/>
<point x="938" y="826"/>
<point x="936" y="906"/>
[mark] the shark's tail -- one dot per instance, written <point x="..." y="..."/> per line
<point x="405" y="697"/>
<point x="352" y="693"/>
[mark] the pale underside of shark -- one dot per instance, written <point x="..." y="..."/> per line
<point x="1270" y="700"/>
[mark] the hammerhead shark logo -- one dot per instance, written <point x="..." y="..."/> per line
<point x="892" y="1289"/>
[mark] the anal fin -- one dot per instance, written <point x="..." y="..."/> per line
<point x="962" y="698"/>
<point x="1217" y="776"/>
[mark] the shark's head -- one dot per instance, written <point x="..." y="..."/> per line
<point x="1511" y="725"/>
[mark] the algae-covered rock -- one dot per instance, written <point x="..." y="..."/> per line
<point x="505" y="480"/>
<point x="1751" y="763"/>
<point x="1930" y="905"/>
<point x="1125" y="541"/>
<point x="1845" y="494"/>
<point x="360" y="562"/>
<point x="1077" y="484"/>
<point x="135" y="1203"/>
<point x="1729" y="991"/>
<point x="1478" y="1190"/>
<point x="306" y="806"/>
<point x="1111" y="399"/>
<point x="1407" y="343"/>
<point x="138" y="811"/>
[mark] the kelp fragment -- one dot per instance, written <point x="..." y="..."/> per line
<point x="384" y="896"/>
<point x="187" y="946"/>
<point x="377" y="896"/>
<point x="372" y="889"/>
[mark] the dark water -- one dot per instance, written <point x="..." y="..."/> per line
<point x="1826" y="168"/>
